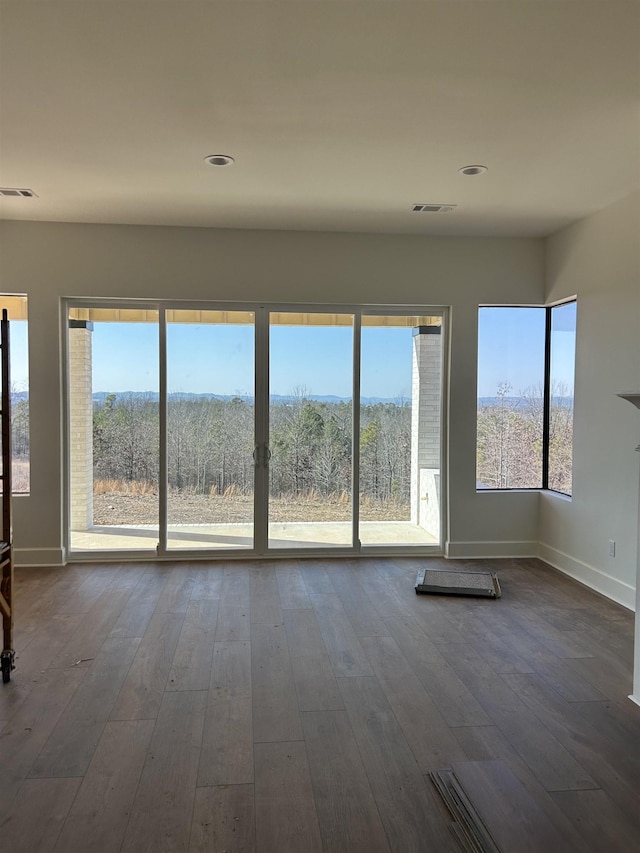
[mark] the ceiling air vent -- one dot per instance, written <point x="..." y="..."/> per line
<point x="433" y="208"/>
<point x="17" y="193"/>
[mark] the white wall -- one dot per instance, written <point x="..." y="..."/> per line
<point x="51" y="260"/>
<point x="599" y="260"/>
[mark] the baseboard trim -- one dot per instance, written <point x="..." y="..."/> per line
<point x="471" y="550"/>
<point x="635" y="699"/>
<point x="38" y="557"/>
<point x="590" y="576"/>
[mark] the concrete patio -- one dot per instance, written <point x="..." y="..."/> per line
<point x="318" y="534"/>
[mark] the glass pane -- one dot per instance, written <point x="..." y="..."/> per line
<point x="400" y="430"/>
<point x="19" y="365"/>
<point x="210" y="429"/>
<point x="113" y="401"/>
<point x="563" y="356"/>
<point x="310" y="430"/>
<point x="510" y="397"/>
<point x="19" y="373"/>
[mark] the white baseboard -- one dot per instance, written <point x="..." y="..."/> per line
<point x="38" y="557"/>
<point x="590" y="576"/>
<point x="471" y="550"/>
<point x="635" y="699"/>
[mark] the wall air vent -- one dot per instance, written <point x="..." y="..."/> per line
<point x="17" y="193"/>
<point x="433" y="208"/>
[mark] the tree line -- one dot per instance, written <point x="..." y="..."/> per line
<point x="210" y="445"/>
<point x="509" y="449"/>
<point x="19" y="426"/>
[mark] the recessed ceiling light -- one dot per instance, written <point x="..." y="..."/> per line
<point x="219" y="160"/>
<point x="472" y="170"/>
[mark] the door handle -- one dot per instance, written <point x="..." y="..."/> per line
<point x="267" y="455"/>
<point x="256" y="455"/>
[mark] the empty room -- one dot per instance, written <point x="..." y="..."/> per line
<point x="309" y="307"/>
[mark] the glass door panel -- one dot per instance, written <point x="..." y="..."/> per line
<point x="310" y="430"/>
<point x="210" y="429"/>
<point x="400" y="430"/>
<point x="113" y="428"/>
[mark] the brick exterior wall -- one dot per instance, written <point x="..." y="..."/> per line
<point x="425" y="428"/>
<point x="81" y="427"/>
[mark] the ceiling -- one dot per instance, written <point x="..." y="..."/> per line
<point x="340" y="115"/>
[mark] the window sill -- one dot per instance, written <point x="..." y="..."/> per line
<point x="557" y="495"/>
<point x="507" y="491"/>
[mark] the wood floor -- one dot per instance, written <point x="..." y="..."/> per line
<point x="299" y="706"/>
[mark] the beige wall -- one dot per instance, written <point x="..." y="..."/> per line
<point x="51" y="260"/>
<point x="599" y="260"/>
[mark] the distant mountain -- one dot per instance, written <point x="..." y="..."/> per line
<point x="516" y="402"/>
<point x="331" y="399"/>
<point x="99" y="397"/>
<point x="281" y="399"/>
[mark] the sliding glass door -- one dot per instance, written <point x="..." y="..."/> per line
<point x="310" y="430"/>
<point x="113" y="429"/>
<point x="400" y="430"/>
<point x="210" y="429"/>
<point x="253" y="429"/>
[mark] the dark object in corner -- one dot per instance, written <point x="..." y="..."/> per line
<point x="447" y="582"/>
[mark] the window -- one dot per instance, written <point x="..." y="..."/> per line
<point x="253" y="427"/>
<point x="562" y="353"/>
<point x="16" y="306"/>
<point x="526" y="360"/>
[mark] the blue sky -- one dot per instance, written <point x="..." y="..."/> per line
<point x="511" y="348"/>
<point x="220" y="359"/>
<point x="19" y="355"/>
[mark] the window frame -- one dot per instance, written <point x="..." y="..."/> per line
<point x="262" y="310"/>
<point x="6" y="300"/>
<point x="546" y="423"/>
<point x="546" y="401"/>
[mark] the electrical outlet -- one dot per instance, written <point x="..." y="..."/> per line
<point x="612" y="548"/>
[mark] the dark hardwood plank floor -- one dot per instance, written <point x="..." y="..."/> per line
<point x="101" y="810"/>
<point x="226" y="752"/>
<point x="299" y="705"/>
<point x="224" y="819"/>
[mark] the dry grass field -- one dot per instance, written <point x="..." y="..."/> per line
<point x="115" y="503"/>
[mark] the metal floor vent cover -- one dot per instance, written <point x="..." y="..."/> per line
<point x="448" y="582"/>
